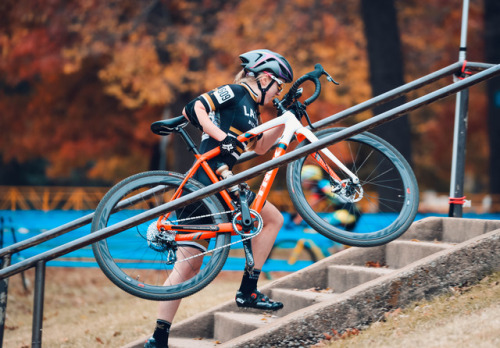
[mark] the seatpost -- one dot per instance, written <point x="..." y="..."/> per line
<point x="189" y="142"/>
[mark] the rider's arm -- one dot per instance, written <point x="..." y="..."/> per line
<point x="268" y="139"/>
<point x="207" y="125"/>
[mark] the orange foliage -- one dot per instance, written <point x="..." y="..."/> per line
<point x="81" y="80"/>
<point x="430" y="33"/>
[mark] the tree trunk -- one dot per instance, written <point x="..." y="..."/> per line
<point x="386" y="73"/>
<point x="386" y="68"/>
<point x="492" y="54"/>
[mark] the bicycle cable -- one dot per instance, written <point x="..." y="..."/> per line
<point x="215" y="249"/>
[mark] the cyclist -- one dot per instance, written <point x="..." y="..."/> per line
<point x="222" y="114"/>
<point x="346" y="214"/>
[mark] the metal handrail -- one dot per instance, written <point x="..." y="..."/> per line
<point x="39" y="261"/>
<point x="373" y="122"/>
<point x="385" y="97"/>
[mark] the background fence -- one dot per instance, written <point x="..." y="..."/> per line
<point x="47" y="198"/>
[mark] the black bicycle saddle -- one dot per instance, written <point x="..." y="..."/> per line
<point x="165" y="127"/>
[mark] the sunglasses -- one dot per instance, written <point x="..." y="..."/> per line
<point x="278" y="81"/>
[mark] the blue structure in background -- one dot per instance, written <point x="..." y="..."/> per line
<point x="28" y="223"/>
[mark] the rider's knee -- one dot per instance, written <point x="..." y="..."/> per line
<point x="278" y="220"/>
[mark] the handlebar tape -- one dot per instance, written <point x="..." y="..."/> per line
<point x="312" y="76"/>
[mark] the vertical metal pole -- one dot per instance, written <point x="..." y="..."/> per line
<point x="460" y="131"/>
<point x="36" y="341"/>
<point x="4" y="287"/>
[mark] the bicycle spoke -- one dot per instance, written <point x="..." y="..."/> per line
<point x="369" y="213"/>
<point x="162" y="268"/>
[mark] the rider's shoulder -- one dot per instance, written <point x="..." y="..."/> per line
<point x="230" y="94"/>
<point x="231" y="86"/>
<point x="236" y="88"/>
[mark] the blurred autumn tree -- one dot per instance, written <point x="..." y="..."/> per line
<point x="430" y="34"/>
<point x="386" y="68"/>
<point x="81" y="80"/>
<point x="492" y="38"/>
<point x="386" y="73"/>
<point x="61" y="99"/>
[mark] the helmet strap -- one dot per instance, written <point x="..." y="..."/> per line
<point x="263" y="91"/>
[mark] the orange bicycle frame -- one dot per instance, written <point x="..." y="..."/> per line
<point x="292" y="128"/>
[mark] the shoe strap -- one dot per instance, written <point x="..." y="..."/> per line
<point x="261" y="296"/>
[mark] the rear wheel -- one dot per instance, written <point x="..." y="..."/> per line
<point x="136" y="259"/>
<point x="377" y="210"/>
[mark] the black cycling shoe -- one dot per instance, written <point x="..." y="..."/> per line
<point x="257" y="300"/>
<point x="151" y="343"/>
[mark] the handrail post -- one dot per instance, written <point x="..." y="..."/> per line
<point x="460" y="131"/>
<point x="4" y="287"/>
<point x="458" y="162"/>
<point x="36" y="341"/>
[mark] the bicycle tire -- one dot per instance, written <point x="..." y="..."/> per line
<point x="138" y="266"/>
<point x="378" y="220"/>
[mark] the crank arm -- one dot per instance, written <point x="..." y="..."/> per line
<point x="246" y="218"/>
<point x="247" y="247"/>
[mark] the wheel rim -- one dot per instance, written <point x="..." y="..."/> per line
<point x="138" y="263"/>
<point x="387" y="192"/>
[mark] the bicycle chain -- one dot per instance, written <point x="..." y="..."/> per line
<point x="218" y="248"/>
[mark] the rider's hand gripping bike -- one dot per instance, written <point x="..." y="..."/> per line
<point x="367" y="179"/>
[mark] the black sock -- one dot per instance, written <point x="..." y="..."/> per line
<point x="249" y="281"/>
<point x="161" y="332"/>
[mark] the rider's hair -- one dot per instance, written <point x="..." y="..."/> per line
<point x="243" y="76"/>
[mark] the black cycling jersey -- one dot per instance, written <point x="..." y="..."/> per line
<point x="232" y="108"/>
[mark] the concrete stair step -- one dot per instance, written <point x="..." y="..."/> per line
<point x="401" y="253"/>
<point x="229" y="325"/>
<point x="449" y="230"/>
<point x="177" y="342"/>
<point x="345" y="273"/>
<point x="294" y="300"/>
<point x="344" y="277"/>
<point x="461" y="230"/>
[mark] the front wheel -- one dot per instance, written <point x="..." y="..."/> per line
<point x="374" y="212"/>
<point x="139" y="259"/>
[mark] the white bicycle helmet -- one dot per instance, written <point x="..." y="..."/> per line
<point x="257" y="61"/>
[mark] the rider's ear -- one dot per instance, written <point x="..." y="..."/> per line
<point x="264" y="78"/>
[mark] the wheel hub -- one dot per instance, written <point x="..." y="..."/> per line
<point x="349" y="191"/>
<point x="162" y="242"/>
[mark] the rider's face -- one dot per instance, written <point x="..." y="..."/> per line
<point x="274" y="91"/>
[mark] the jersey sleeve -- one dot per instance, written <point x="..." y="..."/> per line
<point x="226" y="96"/>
